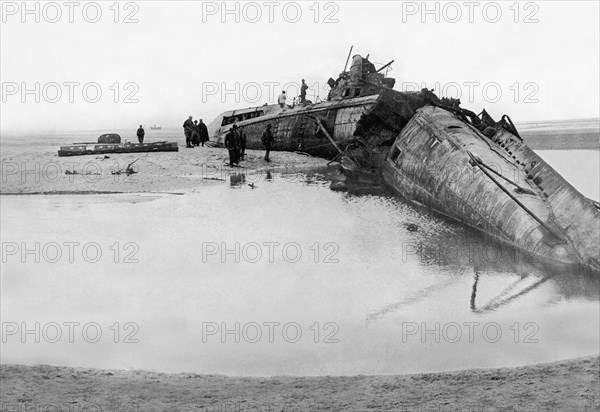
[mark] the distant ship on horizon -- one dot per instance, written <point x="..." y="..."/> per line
<point x="155" y="127"/>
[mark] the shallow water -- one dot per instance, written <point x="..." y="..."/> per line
<point x="344" y="284"/>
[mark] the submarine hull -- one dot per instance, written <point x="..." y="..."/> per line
<point x="496" y="185"/>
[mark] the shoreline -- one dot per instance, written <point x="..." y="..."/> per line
<point x="37" y="169"/>
<point x="572" y="384"/>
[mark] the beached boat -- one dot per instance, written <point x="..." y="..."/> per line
<point x="437" y="154"/>
<point x="155" y="127"/>
<point x="111" y="143"/>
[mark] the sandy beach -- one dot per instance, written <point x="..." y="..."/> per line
<point x="571" y="385"/>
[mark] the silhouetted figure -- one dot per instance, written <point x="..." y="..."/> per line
<point x="140" y="134"/>
<point x="195" y="136"/>
<point x="202" y="132"/>
<point x="188" y="127"/>
<point x="231" y="143"/>
<point x="243" y="141"/>
<point x="267" y="140"/>
<point x="303" y="89"/>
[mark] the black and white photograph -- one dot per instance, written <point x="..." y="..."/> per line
<point x="297" y="206"/>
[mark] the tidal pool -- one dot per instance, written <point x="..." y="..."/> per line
<point x="282" y="277"/>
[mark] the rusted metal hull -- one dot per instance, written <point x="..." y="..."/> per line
<point x="496" y="185"/>
<point x="374" y="118"/>
<point x="296" y="129"/>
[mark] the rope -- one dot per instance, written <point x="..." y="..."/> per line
<point x="517" y="201"/>
<point x="327" y="134"/>
<point x="523" y="189"/>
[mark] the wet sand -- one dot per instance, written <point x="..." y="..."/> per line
<point x="571" y="385"/>
<point x="33" y="171"/>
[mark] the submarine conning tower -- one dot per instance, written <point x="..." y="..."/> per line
<point x="361" y="80"/>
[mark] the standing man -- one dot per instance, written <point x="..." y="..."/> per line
<point x="188" y="127"/>
<point x="231" y="143"/>
<point x="303" y="89"/>
<point x="267" y="140"/>
<point x="140" y="134"/>
<point x="281" y="99"/>
<point x="195" y="136"/>
<point x="243" y="140"/>
<point x="202" y="132"/>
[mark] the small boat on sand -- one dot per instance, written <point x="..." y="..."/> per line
<point x="111" y="143"/>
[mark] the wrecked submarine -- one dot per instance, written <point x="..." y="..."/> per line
<point x="436" y="154"/>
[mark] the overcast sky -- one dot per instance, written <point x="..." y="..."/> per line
<point x="180" y="58"/>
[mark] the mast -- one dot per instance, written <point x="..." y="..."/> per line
<point x="348" y="58"/>
<point x="383" y="67"/>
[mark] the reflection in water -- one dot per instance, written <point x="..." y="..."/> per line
<point x="571" y="282"/>
<point x="420" y="295"/>
<point x="236" y="180"/>
<point x="482" y="257"/>
<point x="505" y="297"/>
<point x="466" y="253"/>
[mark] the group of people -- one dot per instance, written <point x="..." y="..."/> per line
<point x="236" y="140"/>
<point x="196" y="133"/>
<point x="281" y="99"/>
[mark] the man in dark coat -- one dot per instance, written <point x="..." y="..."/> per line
<point x="303" y="89"/>
<point x="140" y="134"/>
<point x="188" y="127"/>
<point x="232" y="145"/>
<point x="267" y="140"/>
<point x="202" y="132"/>
<point x="195" y="136"/>
<point x="243" y="140"/>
